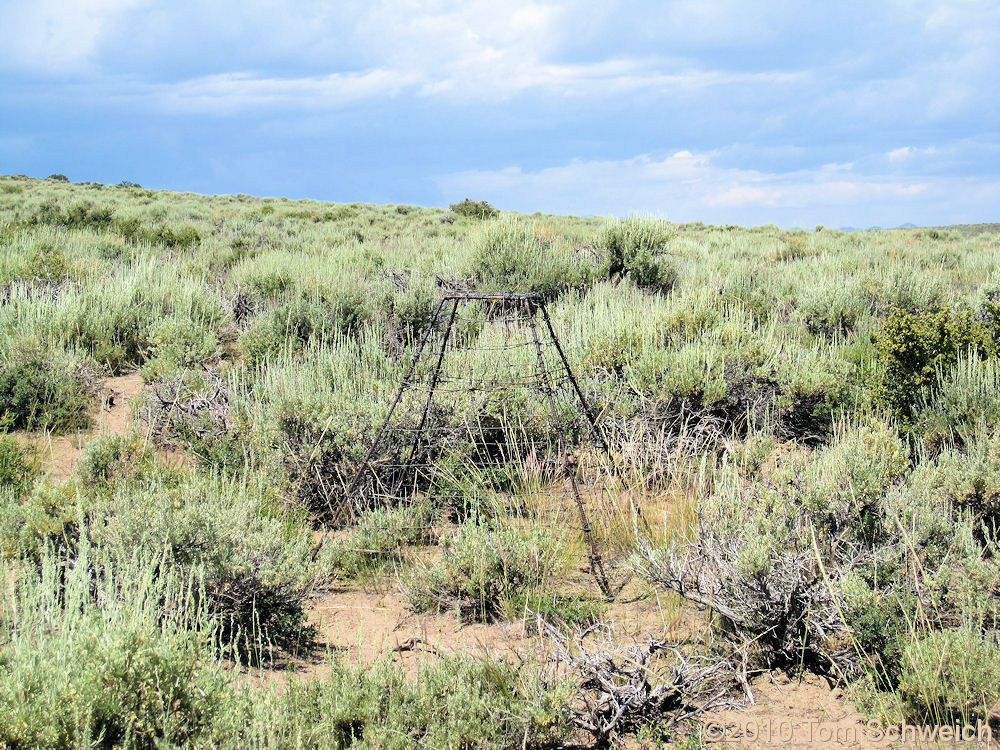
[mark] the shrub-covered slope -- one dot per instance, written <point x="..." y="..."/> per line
<point x="830" y="399"/>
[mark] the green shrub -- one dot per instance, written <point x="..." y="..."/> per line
<point x="474" y="209"/>
<point x="57" y="177"/>
<point x="482" y="567"/>
<point x="19" y="465"/>
<point x="46" y="264"/>
<point x="46" y="518"/>
<point x="966" y="481"/>
<point x="178" y="342"/>
<point x="378" y="540"/>
<point x="454" y="702"/>
<point x="266" y="285"/>
<point x="751" y="454"/>
<point x="293" y="324"/>
<point x="950" y="676"/>
<point x="255" y="561"/>
<point x="914" y="346"/>
<point x="794" y="245"/>
<point x="572" y="610"/>
<point x="834" y="308"/>
<point x="111" y="459"/>
<point x="963" y="400"/>
<point x="842" y="485"/>
<point x="880" y="628"/>
<point x="89" y="658"/>
<point x="509" y="256"/>
<point x="79" y="216"/>
<point x="413" y="307"/>
<point x="180" y="238"/>
<point x="87" y="216"/>
<point x="40" y="390"/>
<point x="637" y="248"/>
<point x="114" y="320"/>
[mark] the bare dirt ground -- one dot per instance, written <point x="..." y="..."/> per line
<point x="793" y="712"/>
<point x="808" y="712"/>
<point x="362" y="625"/>
<point x="59" y="454"/>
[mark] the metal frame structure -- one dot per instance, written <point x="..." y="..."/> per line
<point x="533" y="306"/>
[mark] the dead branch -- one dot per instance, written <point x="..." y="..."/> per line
<point x="786" y="609"/>
<point x="619" y="690"/>
<point x="177" y="414"/>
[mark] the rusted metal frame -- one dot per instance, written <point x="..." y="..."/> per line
<point x="585" y="405"/>
<point x="500" y="296"/>
<point x="596" y="561"/>
<point x="576" y="386"/>
<point x="366" y="463"/>
<point x="418" y="433"/>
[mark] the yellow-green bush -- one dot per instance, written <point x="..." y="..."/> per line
<point x="19" y="465"/>
<point x="483" y="566"/>
<point x="914" y="346"/>
<point x="950" y="676"/>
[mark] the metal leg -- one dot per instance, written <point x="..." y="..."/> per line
<point x="598" y="434"/>
<point x="430" y="395"/>
<point x="596" y="561"/>
<point x="366" y="462"/>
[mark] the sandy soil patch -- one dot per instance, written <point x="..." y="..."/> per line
<point x="59" y="454"/>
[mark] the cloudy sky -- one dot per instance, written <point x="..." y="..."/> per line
<point x="725" y="111"/>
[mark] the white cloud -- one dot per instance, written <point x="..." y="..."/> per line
<point x="906" y="153"/>
<point x="228" y="93"/>
<point x="55" y="36"/>
<point x="483" y="49"/>
<point x="476" y="50"/>
<point x="898" y="154"/>
<point x="488" y="50"/>
<point x="694" y="187"/>
<point x="241" y="91"/>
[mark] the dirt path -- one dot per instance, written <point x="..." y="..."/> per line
<point x="59" y="454"/>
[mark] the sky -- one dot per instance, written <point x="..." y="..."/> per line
<point x="723" y="111"/>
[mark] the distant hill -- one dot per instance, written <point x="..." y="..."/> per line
<point x="971" y="230"/>
<point x="968" y="230"/>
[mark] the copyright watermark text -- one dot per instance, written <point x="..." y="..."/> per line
<point x="798" y="731"/>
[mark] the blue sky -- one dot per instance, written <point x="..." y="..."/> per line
<point x="724" y="111"/>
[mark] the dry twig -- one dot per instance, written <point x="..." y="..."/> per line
<point x="620" y="690"/>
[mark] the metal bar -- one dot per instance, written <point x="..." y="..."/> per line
<point x="352" y="487"/>
<point x="596" y="561"/>
<point x="576" y="386"/>
<point x="586" y="409"/>
<point x="502" y="296"/>
<point x="433" y="384"/>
